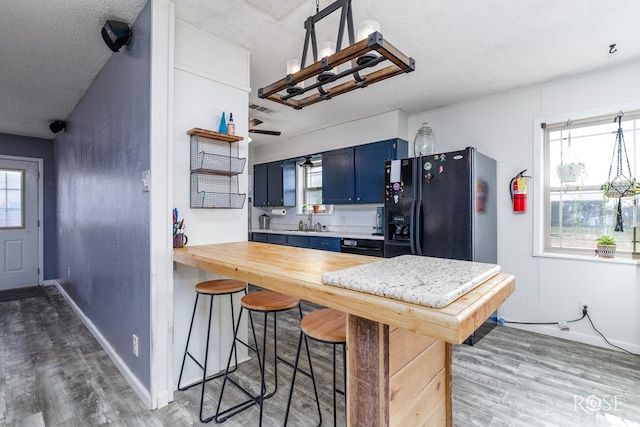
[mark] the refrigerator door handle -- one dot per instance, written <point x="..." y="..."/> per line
<point x="418" y="228"/>
<point x="412" y="222"/>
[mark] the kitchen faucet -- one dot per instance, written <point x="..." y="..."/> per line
<point x="310" y="220"/>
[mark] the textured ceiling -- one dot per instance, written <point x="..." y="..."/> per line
<point x="51" y="51"/>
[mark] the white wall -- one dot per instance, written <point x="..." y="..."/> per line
<point x="204" y="87"/>
<point x="547" y="289"/>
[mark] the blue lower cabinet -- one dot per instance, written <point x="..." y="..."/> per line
<point x="298" y="241"/>
<point x="325" y="243"/>
<point x="310" y="242"/>
<point x="259" y="237"/>
<point x="277" y="239"/>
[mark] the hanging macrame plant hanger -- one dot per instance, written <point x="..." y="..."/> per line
<point x="621" y="185"/>
<point x="570" y="169"/>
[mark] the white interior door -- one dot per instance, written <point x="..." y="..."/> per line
<point x="18" y="223"/>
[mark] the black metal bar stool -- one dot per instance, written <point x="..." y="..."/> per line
<point x="264" y="302"/>
<point x="327" y="326"/>
<point x="211" y="288"/>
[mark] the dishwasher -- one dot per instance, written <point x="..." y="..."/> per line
<point x="362" y="247"/>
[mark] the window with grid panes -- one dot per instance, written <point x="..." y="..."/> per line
<point x="577" y="212"/>
<point x="312" y="184"/>
<point x="11" y="198"/>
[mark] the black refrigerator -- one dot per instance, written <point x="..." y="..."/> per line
<point x="444" y="206"/>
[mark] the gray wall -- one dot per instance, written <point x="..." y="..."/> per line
<point x="24" y="146"/>
<point x="103" y="212"/>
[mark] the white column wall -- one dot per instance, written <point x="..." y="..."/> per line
<point x="210" y="76"/>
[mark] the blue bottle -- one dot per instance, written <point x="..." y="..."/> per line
<point x="223" y="124"/>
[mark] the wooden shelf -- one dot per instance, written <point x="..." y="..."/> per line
<point x="214" y="135"/>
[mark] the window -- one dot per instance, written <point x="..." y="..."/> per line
<point x="311" y="184"/>
<point x="11" y="198"/>
<point x="576" y="210"/>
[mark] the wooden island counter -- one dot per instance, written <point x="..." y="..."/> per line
<point x="399" y="354"/>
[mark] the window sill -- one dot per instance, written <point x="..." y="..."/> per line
<point x="592" y="258"/>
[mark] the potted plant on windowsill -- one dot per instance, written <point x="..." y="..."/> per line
<point x="606" y="247"/>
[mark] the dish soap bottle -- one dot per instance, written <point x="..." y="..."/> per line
<point x="424" y="143"/>
<point x="300" y="226"/>
<point x="231" y="126"/>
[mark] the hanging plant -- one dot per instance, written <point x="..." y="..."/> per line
<point x="569" y="169"/>
<point x="620" y="185"/>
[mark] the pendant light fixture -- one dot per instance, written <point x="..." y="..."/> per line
<point x="307" y="162"/>
<point x="367" y="51"/>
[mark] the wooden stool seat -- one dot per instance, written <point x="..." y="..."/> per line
<point x="326" y="325"/>
<point x="268" y="301"/>
<point x="220" y="287"/>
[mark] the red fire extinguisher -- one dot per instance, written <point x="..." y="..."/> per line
<point x="518" y="190"/>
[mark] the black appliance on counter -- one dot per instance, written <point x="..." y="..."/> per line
<point x="442" y="205"/>
<point x="362" y="247"/>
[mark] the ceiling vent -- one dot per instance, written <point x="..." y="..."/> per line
<point x="260" y="108"/>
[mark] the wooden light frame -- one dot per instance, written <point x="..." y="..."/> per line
<point x="375" y="42"/>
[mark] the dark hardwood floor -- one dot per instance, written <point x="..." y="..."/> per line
<point x="54" y="373"/>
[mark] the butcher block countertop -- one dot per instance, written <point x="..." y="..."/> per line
<point x="298" y="272"/>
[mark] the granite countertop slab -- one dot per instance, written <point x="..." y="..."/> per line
<point x="431" y="282"/>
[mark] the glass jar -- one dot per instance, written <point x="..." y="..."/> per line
<point x="424" y="143"/>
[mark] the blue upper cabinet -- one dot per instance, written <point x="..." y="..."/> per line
<point x="337" y="177"/>
<point x="274" y="184"/>
<point x="369" y="168"/>
<point x="260" y="196"/>
<point x="356" y="174"/>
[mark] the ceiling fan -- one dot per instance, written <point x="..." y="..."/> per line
<point x="255" y="122"/>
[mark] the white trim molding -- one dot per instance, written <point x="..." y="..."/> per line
<point x="128" y="375"/>
<point x="160" y="199"/>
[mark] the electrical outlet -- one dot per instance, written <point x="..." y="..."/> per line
<point x="583" y="304"/>
<point x="135" y="345"/>
<point x="68" y="271"/>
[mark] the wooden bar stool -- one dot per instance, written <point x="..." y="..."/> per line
<point x="212" y="288"/>
<point x="264" y="302"/>
<point x="327" y="326"/>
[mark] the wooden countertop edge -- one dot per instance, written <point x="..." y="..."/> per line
<point x="427" y="321"/>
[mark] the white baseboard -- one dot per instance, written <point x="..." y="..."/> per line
<point x="576" y="336"/>
<point x="133" y="381"/>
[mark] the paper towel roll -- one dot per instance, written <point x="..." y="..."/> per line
<point x="278" y="212"/>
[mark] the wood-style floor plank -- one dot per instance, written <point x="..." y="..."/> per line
<point x="54" y="373"/>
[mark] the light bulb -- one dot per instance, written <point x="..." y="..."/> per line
<point x="326" y="49"/>
<point x="365" y="28"/>
<point x="293" y="66"/>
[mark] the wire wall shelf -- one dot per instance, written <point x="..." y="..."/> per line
<point x="215" y="191"/>
<point x="215" y="166"/>
<point x="214" y="163"/>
